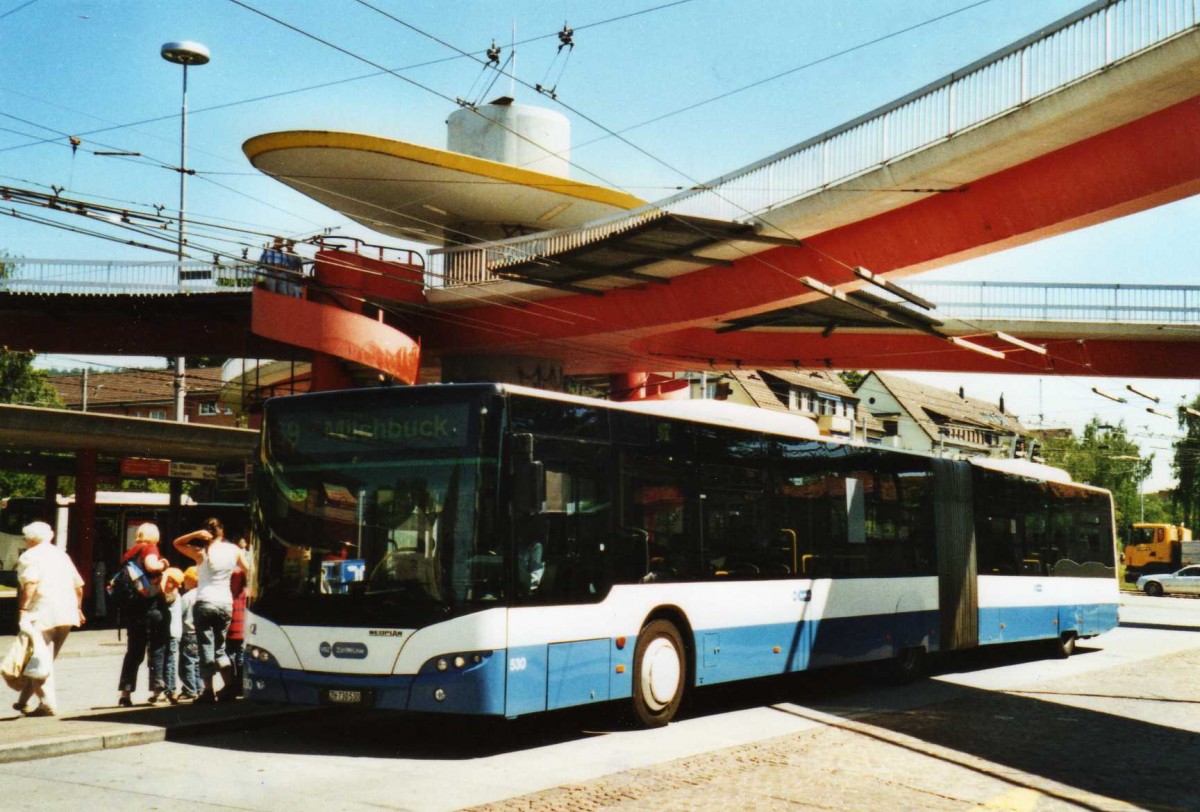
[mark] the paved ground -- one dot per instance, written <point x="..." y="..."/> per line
<point x="1117" y="727"/>
<point x="1054" y="748"/>
<point x="87" y="672"/>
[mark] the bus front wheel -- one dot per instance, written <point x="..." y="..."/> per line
<point x="658" y="674"/>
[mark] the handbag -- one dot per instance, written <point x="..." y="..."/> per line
<point x="12" y="667"/>
<point x="41" y="658"/>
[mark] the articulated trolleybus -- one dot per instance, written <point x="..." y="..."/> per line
<point x="493" y="549"/>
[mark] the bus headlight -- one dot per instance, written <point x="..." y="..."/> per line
<point x="261" y="655"/>
<point x="460" y="661"/>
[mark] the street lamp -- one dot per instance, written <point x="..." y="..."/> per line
<point x="183" y="53"/>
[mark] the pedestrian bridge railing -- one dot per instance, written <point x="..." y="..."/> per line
<point x="108" y="278"/>
<point x="1063" y="302"/>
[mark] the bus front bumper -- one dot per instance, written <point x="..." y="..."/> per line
<point x="477" y="688"/>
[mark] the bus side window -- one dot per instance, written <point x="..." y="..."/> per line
<point x="653" y="502"/>
<point x="560" y="552"/>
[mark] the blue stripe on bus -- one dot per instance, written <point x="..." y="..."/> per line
<point x="1016" y="624"/>
<point x="529" y="679"/>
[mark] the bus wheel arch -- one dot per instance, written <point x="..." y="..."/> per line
<point x="662" y="668"/>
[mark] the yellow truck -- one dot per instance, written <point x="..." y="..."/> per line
<point x="1154" y="548"/>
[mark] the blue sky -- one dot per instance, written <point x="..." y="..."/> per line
<point x="70" y="67"/>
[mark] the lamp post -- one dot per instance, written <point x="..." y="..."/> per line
<point x="183" y="53"/>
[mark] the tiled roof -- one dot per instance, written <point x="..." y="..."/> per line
<point x="757" y="383"/>
<point x="922" y="402"/>
<point x="133" y="385"/>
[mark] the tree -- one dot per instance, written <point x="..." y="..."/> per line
<point x="1186" y="463"/>
<point x="1104" y="456"/>
<point x="851" y="377"/>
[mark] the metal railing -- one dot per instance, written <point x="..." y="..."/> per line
<point x="103" y="277"/>
<point x="1070" y="302"/>
<point x="1083" y="44"/>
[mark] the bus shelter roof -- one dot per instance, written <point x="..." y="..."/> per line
<point x="28" y="428"/>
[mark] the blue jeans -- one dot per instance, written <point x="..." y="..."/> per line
<point x="171" y="664"/>
<point x="189" y="663"/>
<point x="212" y="623"/>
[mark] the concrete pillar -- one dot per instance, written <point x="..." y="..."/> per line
<point x="82" y="534"/>
<point x="539" y="373"/>
<point x="329" y="373"/>
<point x="50" y="500"/>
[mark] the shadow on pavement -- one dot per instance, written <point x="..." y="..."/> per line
<point x="1089" y="750"/>
<point x="1160" y="626"/>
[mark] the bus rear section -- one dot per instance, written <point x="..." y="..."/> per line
<point x="494" y="550"/>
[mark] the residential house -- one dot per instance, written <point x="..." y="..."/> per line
<point x="924" y="418"/>
<point x="146" y="393"/>
<point x="818" y="394"/>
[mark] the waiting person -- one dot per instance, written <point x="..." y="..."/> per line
<point x="216" y="561"/>
<point x="140" y="613"/>
<point x="172" y="605"/>
<point x="189" y="651"/>
<point x="51" y="599"/>
<point x="283" y="268"/>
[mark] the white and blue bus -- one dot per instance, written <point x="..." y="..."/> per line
<point x="493" y="549"/>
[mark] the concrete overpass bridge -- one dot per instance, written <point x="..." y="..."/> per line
<point x="144" y="308"/>
<point x="1090" y="119"/>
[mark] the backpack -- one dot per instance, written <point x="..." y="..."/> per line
<point x="130" y="583"/>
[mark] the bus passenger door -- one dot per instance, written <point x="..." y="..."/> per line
<point x="558" y="648"/>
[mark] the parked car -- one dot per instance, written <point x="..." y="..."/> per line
<point x="1184" y="582"/>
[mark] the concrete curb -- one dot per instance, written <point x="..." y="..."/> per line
<point x="109" y="734"/>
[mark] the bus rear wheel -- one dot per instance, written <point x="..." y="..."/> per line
<point x="906" y="667"/>
<point x="658" y="674"/>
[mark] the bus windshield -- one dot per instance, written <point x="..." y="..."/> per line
<point x="367" y="509"/>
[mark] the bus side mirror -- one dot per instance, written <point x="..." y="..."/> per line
<point x="529" y="486"/>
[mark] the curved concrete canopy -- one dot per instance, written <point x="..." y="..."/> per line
<point x="418" y="193"/>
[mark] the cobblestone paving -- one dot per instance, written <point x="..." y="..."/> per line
<point x="1072" y="744"/>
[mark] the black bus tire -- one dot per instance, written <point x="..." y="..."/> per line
<point x="906" y="667"/>
<point x="659" y="673"/>
<point x="1063" y="646"/>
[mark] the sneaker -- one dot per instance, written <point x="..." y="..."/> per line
<point x="187" y="696"/>
<point x="154" y="698"/>
<point x="174" y="700"/>
<point x="125" y="702"/>
<point x="19" y="708"/>
<point x="41" y="710"/>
